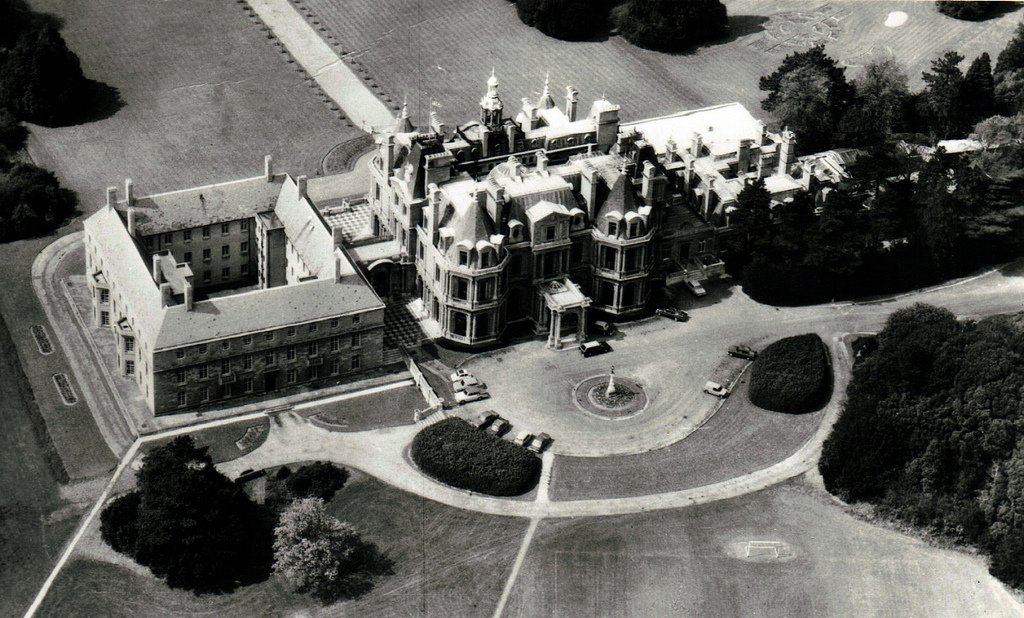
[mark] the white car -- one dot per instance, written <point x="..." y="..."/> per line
<point x="472" y="393"/>
<point x="459" y="374"/>
<point x="716" y="389"/>
<point x="523" y="438"/>
<point x="463" y="383"/>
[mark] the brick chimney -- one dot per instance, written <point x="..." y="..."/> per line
<point x="300" y="183"/>
<point x="268" y="168"/>
<point x="111" y="196"/>
<point x="129" y="192"/>
<point x="131" y="221"/>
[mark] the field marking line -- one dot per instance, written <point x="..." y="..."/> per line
<point x="344" y="396"/>
<point x="520" y="558"/>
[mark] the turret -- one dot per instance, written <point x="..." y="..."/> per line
<point x="787" y="151"/>
<point x="491" y="105"/>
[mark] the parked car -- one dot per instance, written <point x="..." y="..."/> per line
<point x="716" y="389"/>
<point x="539" y="442"/>
<point x="459" y="374"/>
<point x="472" y="393"/>
<point x="465" y="382"/>
<point x="523" y="438"/>
<point x="499" y="426"/>
<point x="593" y="348"/>
<point x="484" y="418"/>
<point x="604" y="328"/>
<point x="696" y="288"/>
<point x="743" y="351"/>
<point x="672" y="313"/>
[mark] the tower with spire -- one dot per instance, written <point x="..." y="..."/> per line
<point x="491" y="105"/>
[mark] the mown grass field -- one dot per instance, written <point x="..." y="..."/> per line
<point x="739" y="439"/>
<point x="684" y="563"/>
<point x="448" y="562"/>
<point x="206" y="95"/>
<point x="443" y="51"/>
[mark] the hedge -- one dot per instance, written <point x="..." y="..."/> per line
<point x="792" y="375"/>
<point x="458" y="454"/>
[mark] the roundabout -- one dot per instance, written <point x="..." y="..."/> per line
<point x="610" y="397"/>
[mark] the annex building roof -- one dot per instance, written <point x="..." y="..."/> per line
<point x="720" y="127"/>
<point x="209" y="205"/>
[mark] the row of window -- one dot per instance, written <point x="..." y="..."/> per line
<point x="270" y="357"/>
<point x="186" y="235"/>
<point x="203" y="348"/>
<point x="225" y="252"/>
<point x="248" y="384"/>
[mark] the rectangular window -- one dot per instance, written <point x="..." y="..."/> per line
<point x="168" y="239"/>
<point x="292" y="375"/>
<point x="613" y="228"/>
<point x="634" y="229"/>
<point x="204" y="393"/>
<point x="188" y="257"/>
<point x="335" y="365"/>
<point x="576" y="255"/>
<point x="460" y="288"/>
<point x="207" y="276"/>
<point x="334" y="322"/>
<point x="356" y="340"/>
<point x="247" y="385"/>
<point x="105" y="318"/>
<point x="549" y="233"/>
<point x="247" y="340"/>
<point x="225" y="273"/>
<point x="202" y="348"/>
<point x="356" y="319"/>
<point x="291" y="352"/>
<point x="206" y="231"/>
<point x="179" y="353"/>
<point x="335" y="344"/>
<point x="182" y="400"/>
<point x="129" y="367"/>
<point x="247" y="362"/>
<point x="225" y="251"/>
<point x="206" y="255"/>
<point x="149" y="242"/>
<point x="187" y="235"/>
<point x="225" y="229"/>
<point x="291" y="331"/>
<point x="313" y="348"/>
<point x="204" y="371"/>
<point x="244" y="248"/>
<point x="314" y="372"/>
<point x="463" y="258"/>
<point x="268" y="336"/>
<point x="129" y="345"/>
<point x="180" y="376"/>
<point x="269" y="358"/>
<point x="356" y="361"/>
<point x="225" y="367"/>
<point x="104" y="296"/>
<point x="244" y="223"/>
<point x="226" y="344"/>
<point x="245" y="269"/>
<point x="437" y="273"/>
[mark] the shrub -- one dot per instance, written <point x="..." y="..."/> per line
<point x="317" y="480"/>
<point x="671" y="25"/>
<point x="791" y="375"/>
<point x="568" y="20"/>
<point x="119" y="523"/>
<point x="456" y="453"/>
<point x="969" y="11"/>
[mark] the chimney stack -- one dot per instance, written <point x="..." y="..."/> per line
<point x="698" y="144"/>
<point x="129" y="192"/>
<point x="572" y="102"/>
<point x="131" y="221"/>
<point x="111" y="196"/>
<point x="158" y="273"/>
<point x="300" y="183"/>
<point x="743" y="156"/>
<point x="542" y="163"/>
<point x="268" y="168"/>
<point x="190" y="295"/>
<point x="647" y="183"/>
<point x="787" y="151"/>
<point x="166" y="295"/>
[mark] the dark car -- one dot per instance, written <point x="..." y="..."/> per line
<point x="672" y="313"/>
<point x="484" y="418"/>
<point x="539" y="442"/>
<point x="743" y="351"/>
<point x="604" y="328"/>
<point x="593" y="348"/>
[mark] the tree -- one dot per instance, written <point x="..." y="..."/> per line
<point x="810" y="94"/>
<point x="568" y="20"/>
<point x="970" y="11"/>
<point x="32" y="202"/>
<point x="1009" y="74"/>
<point x="942" y="99"/>
<point x="673" y="26"/>
<point x="41" y="80"/>
<point x="979" y="90"/>
<point x="317" y="480"/>
<point x="321" y="555"/>
<point x="193" y="525"/>
<point x="752" y="219"/>
<point x="881" y="98"/>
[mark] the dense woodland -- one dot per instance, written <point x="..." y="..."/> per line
<point x="932" y="431"/>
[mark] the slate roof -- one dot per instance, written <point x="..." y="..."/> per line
<point x="210" y="205"/>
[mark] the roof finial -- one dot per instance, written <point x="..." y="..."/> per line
<point x="545" y="101"/>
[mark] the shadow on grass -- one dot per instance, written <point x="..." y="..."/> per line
<point x="102" y="102"/>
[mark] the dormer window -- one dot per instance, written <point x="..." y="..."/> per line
<point x="549" y="234"/>
<point x="485" y="259"/>
<point x="613" y="228"/>
<point x="634" y="229"/>
<point x="463" y="257"/>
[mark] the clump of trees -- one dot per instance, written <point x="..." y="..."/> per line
<point x="189" y="523"/>
<point x="316" y="480"/>
<point x="323" y="556"/>
<point x="792" y="375"/>
<point x="32" y="202"/>
<point x="662" y="25"/>
<point x="456" y="453"/>
<point x="932" y="431"/>
<point x="970" y="11"/>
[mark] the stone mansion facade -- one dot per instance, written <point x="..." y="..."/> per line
<point x="541" y="218"/>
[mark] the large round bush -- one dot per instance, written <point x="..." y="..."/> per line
<point x="456" y="453"/>
<point x="792" y="375"/>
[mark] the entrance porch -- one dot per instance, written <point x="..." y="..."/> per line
<point x="564" y="312"/>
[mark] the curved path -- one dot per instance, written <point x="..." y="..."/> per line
<point x="382" y="453"/>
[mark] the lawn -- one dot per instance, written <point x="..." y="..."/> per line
<point x="222" y="440"/>
<point x="448" y="562"/>
<point x="687" y="562"/>
<point x="389" y="408"/>
<point x="443" y="51"/>
<point x="737" y="440"/>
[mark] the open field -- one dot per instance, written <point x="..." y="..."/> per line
<point x="739" y="439"/>
<point x="443" y="51"/>
<point x="206" y="95"/>
<point x="447" y="563"/>
<point x="690" y="562"/>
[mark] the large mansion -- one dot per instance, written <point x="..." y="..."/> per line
<point x="533" y="217"/>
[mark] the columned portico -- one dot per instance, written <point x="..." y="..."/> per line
<point x="567" y="312"/>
